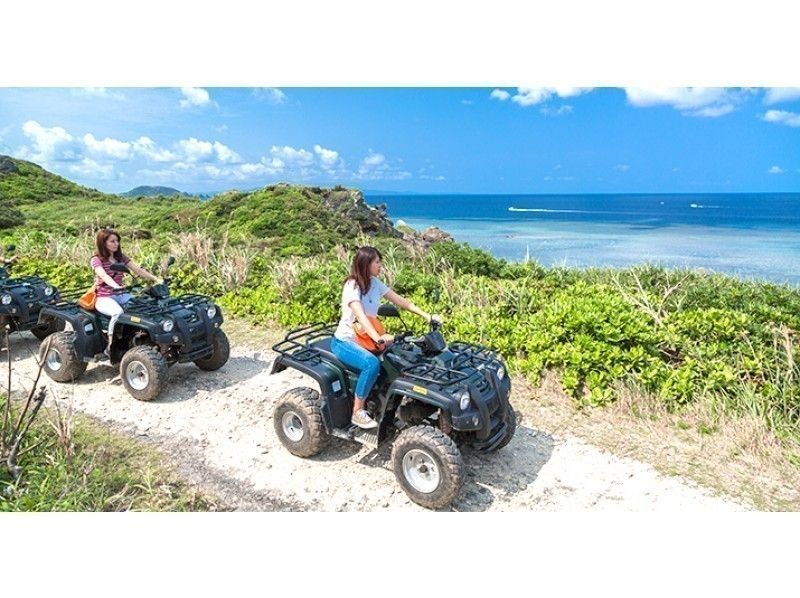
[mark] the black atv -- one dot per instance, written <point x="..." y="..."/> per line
<point x="435" y="397"/>
<point x="22" y="298"/>
<point x="154" y="332"/>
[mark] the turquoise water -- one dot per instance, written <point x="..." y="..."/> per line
<point x="745" y="235"/>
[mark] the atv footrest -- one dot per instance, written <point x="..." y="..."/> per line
<point x="366" y="437"/>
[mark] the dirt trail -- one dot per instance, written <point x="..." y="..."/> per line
<point x="216" y="429"/>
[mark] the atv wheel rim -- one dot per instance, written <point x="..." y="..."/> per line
<point x="137" y="375"/>
<point x="292" y="426"/>
<point x="54" y="362"/>
<point x="421" y="471"/>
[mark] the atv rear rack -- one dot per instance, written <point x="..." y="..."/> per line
<point x="297" y="343"/>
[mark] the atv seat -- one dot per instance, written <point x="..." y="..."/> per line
<point x="323" y="346"/>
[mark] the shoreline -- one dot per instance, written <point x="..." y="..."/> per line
<point x="754" y="254"/>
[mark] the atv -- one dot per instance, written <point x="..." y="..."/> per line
<point x="433" y="397"/>
<point x="154" y="331"/>
<point x="22" y="298"/>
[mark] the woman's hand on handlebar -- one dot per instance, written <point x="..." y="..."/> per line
<point x="385" y="341"/>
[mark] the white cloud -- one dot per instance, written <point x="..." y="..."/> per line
<point x="161" y="175"/>
<point x="529" y="96"/>
<point x="225" y="154"/>
<point x="776" y="170"/>
<point x="375" y="166"/>
<point x="292" y="156"/>
<point x="271" y="94"/>
<point x="53" y="143"/>
<point x="560" y="111"/>
<point x="100" y="92"/>
<point x="622" y="167"/>
<point x="682" y="98"/>
<point x="112" y="148"/>
<point x="194" y="96"/>
<point x="499" y="94"/>
<point x="440" y="178"/>
<point x="776" y="95"/>
<point x="708" y="102"/>
<point x="712" y="111"/>
<point x="91" y="169"/>
<point x="790" y="119"/>
<point x="195" y="150"/>
<point x="467" y="102"/>
<point x="146" y="147"/>
<point x="328" y="157"/>
<point x="373" y="159"/>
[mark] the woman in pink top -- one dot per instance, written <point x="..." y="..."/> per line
<point x="107" y="281"/>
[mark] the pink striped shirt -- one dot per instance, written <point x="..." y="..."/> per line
<point x="101" y="288"/>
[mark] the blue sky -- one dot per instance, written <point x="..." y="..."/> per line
<point x="441" y="140"/>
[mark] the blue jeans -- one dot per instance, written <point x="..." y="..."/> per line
<point x="357" y="357"/>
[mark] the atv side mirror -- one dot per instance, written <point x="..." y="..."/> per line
<point x="388" y="310"/>
<point x="10" y="248"/>
<point x="436" y="295"/>
<point x="117" y="267"/>
<point x="171" y="260"/>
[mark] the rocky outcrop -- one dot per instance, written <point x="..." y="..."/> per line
<point x="7" y="166"/>
<point x="423" y="240"/>
<point x="349" y="203"/>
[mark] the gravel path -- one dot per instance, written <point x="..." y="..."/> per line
<point x="216" y="428"/>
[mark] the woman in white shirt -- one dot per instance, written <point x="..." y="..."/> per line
<point x="361" y="297"/>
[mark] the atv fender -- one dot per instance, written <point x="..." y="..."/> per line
<point x="89" y="338"/>
<point x="336" y="405"/>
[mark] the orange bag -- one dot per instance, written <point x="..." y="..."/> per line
<point x="88" y="299"/>
<point x="363" y="339"/>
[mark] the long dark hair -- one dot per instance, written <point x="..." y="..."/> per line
<point x="100" y="241"/>
<point x="359" y="271"/>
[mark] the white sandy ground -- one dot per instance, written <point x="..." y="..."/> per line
<point x="216" y="429"/>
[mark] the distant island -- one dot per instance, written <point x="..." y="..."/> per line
<point x="150" y="191"/>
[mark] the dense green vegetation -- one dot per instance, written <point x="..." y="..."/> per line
<point x="279" y="255"/>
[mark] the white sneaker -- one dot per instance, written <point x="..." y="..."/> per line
<point x="362" y="419"/>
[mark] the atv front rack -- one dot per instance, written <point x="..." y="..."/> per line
<point x="20" y="280"/>
<point x="434" y="374"/>
<point x="148" y="306"/>
<point x="471" y="355"/>
<point x="467" y="355"/>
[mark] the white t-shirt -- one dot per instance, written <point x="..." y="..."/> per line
<point x="370" y="302"/>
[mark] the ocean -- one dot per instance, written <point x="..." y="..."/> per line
<point x="748" y="235"/>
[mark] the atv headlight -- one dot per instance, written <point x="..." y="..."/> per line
<point x="211" y="312"/>
<point x="463" y="400"/>
<point x="501" y="372"/>
<point x="48" y="291"/>
<point x="6" y="299"/>
<point x="167" y="325"/>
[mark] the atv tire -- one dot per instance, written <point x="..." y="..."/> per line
<point x="298" y="422"/>
<point x="144" y="372"/>
<point x="219" y="356"/>
<point x="428" y="466"/>
<point x="60" y="361"/>
<point x="43" y="331"/>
